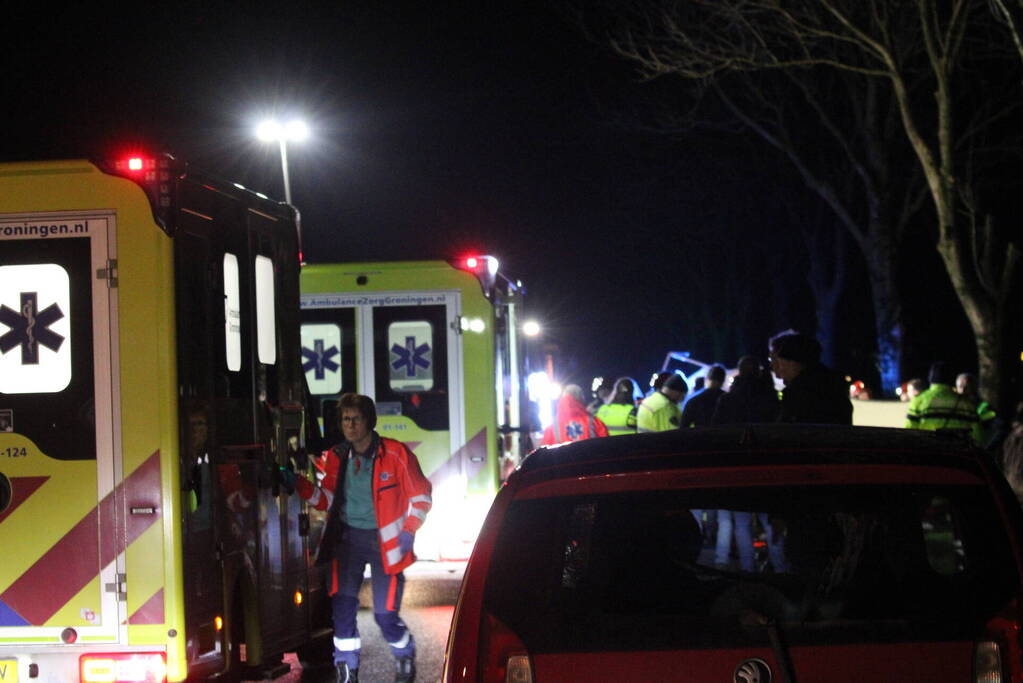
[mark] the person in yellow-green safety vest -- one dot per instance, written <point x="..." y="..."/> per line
<point x="966" y="384"/>
<point x="659" y="411"/>
<point x="620" y="413"/>
<point x="940" y="407"/>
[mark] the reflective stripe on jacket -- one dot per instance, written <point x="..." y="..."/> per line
<point x="401" y="499"/>
<point x="620" y="418"/>
<point x="657" y="413"/>
<point x="940" y="407"/>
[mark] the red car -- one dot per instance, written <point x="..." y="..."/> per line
<point x="884" y="555"/>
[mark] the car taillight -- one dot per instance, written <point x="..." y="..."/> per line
<point x="126" y="667"/>
<point x="503" y="656"/>
<point x="987" y="662"/>
<point x="997" y="655"/>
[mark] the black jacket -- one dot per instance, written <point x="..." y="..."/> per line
<point x="750" y="399"/>
<point x="698" y="411"/>
<point x="818" y="395"/>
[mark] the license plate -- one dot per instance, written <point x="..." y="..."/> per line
<point x="9" y="670"/>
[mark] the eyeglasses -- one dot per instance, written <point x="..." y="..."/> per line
<point x="353" y="419"/>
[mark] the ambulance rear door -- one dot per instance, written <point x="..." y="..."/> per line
<point x="62" y="534"/>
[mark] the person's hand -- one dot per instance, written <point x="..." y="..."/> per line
<point x="406" y="539"/>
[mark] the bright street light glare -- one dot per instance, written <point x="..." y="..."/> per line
<point x="273" y="131"/>
<point x="297" y="131"/>
<point x="268" y="131"/>
<point x="531" y="328"/>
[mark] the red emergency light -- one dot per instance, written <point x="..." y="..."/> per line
<point x="134" y="164"/>
<point x="483" y="267"/>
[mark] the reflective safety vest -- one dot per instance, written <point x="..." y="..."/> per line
<point x="620" y="418"/>
<point x="657" y="413"/>
<point x="401" y="499"/>
<point x="940" y="407"/>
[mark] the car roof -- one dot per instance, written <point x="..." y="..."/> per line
<point x="756" y="445"/>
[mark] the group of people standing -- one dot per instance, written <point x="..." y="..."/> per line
<point x="813" y="393"/>
<point x="950" y="401"/>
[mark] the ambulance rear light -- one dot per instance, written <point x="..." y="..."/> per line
<point x="153" y="173"/>
<point x="135" y="166"/>
<point x="483" y="267"/>
<point x="123" y="667"/>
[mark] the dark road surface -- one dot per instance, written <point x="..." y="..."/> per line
<point x="431" y="589"/>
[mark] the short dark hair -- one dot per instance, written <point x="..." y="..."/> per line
<point x="941" y="373"/>
<point x="716" y="373"/>
<point x="624" y="391"/>
<point x="675" y="382"/>
<point x="748" y="366"/>
<point x="796" y="346"/>
<point x="364" y="404"/>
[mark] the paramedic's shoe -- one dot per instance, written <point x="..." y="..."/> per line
<point x="342" y="674"/>
<point x="406" y="670"/>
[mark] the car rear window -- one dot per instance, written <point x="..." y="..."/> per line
<point x="892" y="563"/>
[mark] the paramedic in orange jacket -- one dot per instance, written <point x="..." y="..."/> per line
<point x="572" y="422"/>
<point x="377" y="498"/>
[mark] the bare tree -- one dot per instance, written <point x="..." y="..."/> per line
<point x="920" y="55"/>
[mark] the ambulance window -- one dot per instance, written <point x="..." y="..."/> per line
<point x="36" y="342"/>
<point x="410" y="364"/>
<point x="232" y="314"/>
<point x="266" y="327"/>
<point x="321" y="357"/>
<point x="47" y="369"/>
<point x="410" y="345"/>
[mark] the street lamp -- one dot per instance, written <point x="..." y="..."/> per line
<point x="293" y="131"/>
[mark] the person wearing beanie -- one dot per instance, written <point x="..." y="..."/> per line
<point x="941" y="407"/>
<point x="659" y="411"/>
<point x="814" y="393"/>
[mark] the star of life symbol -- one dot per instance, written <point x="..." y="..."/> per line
<point x="574" y="430"/>
<point x="35" y="328"/>
<point x="320" y="360"/>
<point x="30" y="328"/>
<point x="410" y="356"/>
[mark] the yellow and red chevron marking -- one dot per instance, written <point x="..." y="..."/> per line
<point x="76" y="559"/>
<point x="473" y="452"/>
<point x="21" y="489"/>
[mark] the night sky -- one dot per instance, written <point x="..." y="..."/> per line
<point x="442" y="129"/>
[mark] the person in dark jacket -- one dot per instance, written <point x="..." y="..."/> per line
<point x="751" y="398"/>
<point x="814" y="393"/>
<point x="698" y="410"/>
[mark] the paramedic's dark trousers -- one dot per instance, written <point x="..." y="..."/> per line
<point x="359" y="548"/>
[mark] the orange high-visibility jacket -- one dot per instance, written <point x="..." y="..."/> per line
<point x="401" y="498"/>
